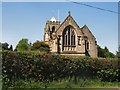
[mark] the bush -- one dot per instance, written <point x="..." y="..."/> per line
<point x="45" y="67"/>
<point x="40" y="46"/>
<point x="109" y="75"/>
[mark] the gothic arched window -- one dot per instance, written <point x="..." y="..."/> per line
<point x="69" y="37"/>
<point x="72" y="37"/>
<point x="87" y="46"/>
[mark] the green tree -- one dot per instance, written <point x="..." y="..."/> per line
<point x="100" y="52"/>
<point x="0" y="46"/>
<point x="22" y="45"/>
<point x="5" y="46"/>
<point x="11" y="48"/>
<point x="106" y="49"/>
<point x="108" y="53"/>
<point x="105" y="53"/>
<point x="40" y="46"/>
<point x="118" y="52"/>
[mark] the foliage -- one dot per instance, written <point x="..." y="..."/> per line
<point x="105" y="53"/>
<point x="22" y="45"/>
<point x="118" y="52"/>
<point x="0" y="46"/>
<point x="44" y="67"/>
<point x="5" y="46"/>
<point x="109" y="75"/>
<point x="65" y="83"/>
<point x="11" y="48"/>
<point x="40" y="46"/>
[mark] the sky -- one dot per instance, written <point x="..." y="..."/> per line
<point x="59" y="0"/>
<point x="28" y="19"/>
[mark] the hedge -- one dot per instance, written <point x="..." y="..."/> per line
<point x="47" y="67"/>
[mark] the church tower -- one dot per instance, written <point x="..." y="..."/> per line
<point x="50" y="29"/>
<point x="49" y="32"/>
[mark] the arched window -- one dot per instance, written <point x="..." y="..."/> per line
<point x="53" y="29"/>
<point x="87" y="45"/>
<point x="66" y="38"/>
<point x="72" y="37"/>
<point x="69" y="37"/>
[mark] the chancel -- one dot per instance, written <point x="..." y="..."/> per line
<point x="69" y="39"/>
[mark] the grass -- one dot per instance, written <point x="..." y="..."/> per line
<point x="66" y="83"/>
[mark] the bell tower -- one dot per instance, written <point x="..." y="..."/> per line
<point x="50" y="29"/>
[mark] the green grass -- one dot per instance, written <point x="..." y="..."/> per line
<point x="66" y="83"/>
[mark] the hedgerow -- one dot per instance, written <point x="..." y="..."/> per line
<point x="47" y="67"/>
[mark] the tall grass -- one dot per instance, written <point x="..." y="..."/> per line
<point x="74" y="82"/>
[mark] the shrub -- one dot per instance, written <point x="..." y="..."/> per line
<point x="45" y="67"/>
<point x="40" y="46"/>
<point x="109" y="75"/>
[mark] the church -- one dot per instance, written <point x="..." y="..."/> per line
<point x="67" y="38"/>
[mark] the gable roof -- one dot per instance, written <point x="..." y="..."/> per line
<point x="69" y="16"/>
<point x="85" y="26"/>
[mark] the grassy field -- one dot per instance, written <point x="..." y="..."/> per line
<point x="66" y="83"/>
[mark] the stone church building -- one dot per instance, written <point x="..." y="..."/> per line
<point x="69" y="39"/>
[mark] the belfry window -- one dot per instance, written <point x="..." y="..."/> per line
<point x="53" y="29"/>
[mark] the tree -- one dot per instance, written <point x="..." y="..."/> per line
<point x="5" y="46"/>
<point x="22" y="45"/>
<point x="100" y="51"/>
<point x="0" y="46"/>
<point x="106" y="49"/>
<point x="108" y="53"/>
<point x="118" y="52"/>
<point x="40" y="46"/>
<point x="104" y="52"/>
<point x="11" y="48"/>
